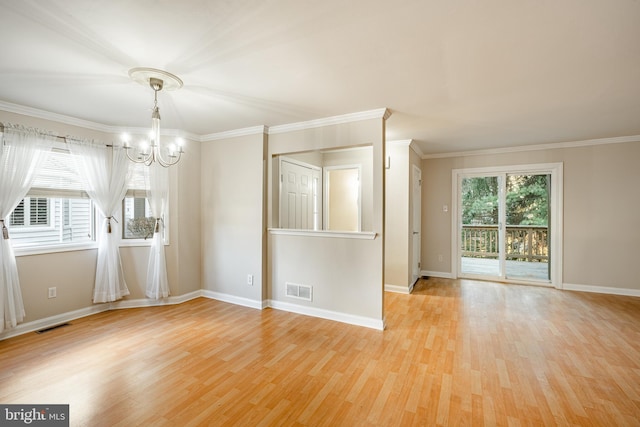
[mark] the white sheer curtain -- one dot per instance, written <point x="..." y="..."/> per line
<point x="157" y="282"/>
<point x="104" y="171"/>
<point x="23" y="150"/>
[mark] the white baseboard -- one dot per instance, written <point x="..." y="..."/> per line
<point x="138" y="303"/>
<point x="49" y="322"/>
<point x="329" y="315"/>
<point x="58" y="319"/>
<point x="398" y="289"/>
<point x="601" y="289"/>
<point x="232" y="299"/>
<point x="440" y="274"/>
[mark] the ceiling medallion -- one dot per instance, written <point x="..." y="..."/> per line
<point x="151" y="151"/>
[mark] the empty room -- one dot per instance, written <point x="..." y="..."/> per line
<point x="320" y="214"/>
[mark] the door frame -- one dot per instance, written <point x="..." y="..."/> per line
<point x="416" y="209"/>
<point x="555" y="215"/>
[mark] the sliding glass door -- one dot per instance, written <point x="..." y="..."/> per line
<point x="504" y="225"/>
<point x="527" y="227"/>
<point x="480" y="232"/>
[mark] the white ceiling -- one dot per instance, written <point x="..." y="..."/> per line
<point x="458" y="75"/>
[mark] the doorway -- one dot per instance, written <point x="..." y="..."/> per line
<point x="508" y="222"/>
<point x="416" y="220"/>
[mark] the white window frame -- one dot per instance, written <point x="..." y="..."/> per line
<point x="27" y="216"/>
<point x="60" y="193"/>
<point x="57" y="247"/>
<point x="135" y="191"/>
<point x="556" y="170"/>
<point x="138" y="241"/>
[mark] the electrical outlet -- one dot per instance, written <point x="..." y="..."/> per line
<point x="250" y="279"/>
<point x="53" y="292"/>
<point x="439" y="257"/>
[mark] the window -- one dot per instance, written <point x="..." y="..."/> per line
<point x="138" y="223"/>
<point x="31" y="211"/>
<point x="57" y="213"/>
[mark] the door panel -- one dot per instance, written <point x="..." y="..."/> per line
<point x="298" y="209"/>
<point x="504" y="226"/>
<point x="527" y="234"/>
<point x="480" y="226"/>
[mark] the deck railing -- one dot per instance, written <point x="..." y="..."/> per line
<point x="523" y="243"/>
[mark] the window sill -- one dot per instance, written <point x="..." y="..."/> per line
<point x="132" y="243"/>
<point x="39" y="250"/>
<point x="362" y="235"/>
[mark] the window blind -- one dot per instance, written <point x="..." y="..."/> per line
<point x="58" y="177"/>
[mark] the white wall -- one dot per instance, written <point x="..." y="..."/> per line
<point x="347" y="275"/>
<point x="73" y="273"/>
<point x="601" y="206"/>
<point x="397" y="258"/>
<point x="233" y="211"/>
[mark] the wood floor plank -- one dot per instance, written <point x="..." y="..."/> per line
<point x="455" y="352"/>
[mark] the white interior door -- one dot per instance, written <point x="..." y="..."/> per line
<point x="299" y="196"/>
<point x="416" y="219"/>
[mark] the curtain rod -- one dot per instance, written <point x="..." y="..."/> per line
<point x="63" y="138"/>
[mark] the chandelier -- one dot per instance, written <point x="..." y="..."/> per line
<point x="151" y="150"/>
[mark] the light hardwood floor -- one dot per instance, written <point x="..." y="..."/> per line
<point x="454" y="353"/>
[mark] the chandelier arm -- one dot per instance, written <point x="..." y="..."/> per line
<point x="156" y="80"/>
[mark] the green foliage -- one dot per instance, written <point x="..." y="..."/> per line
<point x="527" y="200"/>
<point x="480" y="200"/>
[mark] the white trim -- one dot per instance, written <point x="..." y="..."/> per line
<point x="412" y="144"/>
<point x="61" y="118"/>
<point x="40" y="250"/>
<point x="363" y="235"/>
<point x="328" y="314"/>
<point x="233" y="299"/>
<point x="556" y="170"/>
<point x="416" y="148"/>
<point x="601" y="290"/>
<point x="51" y="321"/>
<point x="381" y="113"/>
<point x="254" y="130"/>
<point x="401" y="142"/>
<point x="537" y="147"/>
<point x="42" y="114"/>
<point x="398" y="289"/>
<point x="144" y="302"/>
<point x="58" y="319"/>
<point x="439" y="274"/>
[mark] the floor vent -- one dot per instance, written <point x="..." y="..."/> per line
<point x="295" y="290"/>
<point x="42" y="331"/>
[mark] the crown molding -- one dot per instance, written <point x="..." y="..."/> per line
<point x="416" y="149"/>
<point x="411" y="143"/>
<point x="254" y="130"/>
<point x="46" y="115"/>
<point x="381" y="113"/>
<point x="537" y="147"/>
<point x="86" y="124"/>
<point x="401" y="142"/>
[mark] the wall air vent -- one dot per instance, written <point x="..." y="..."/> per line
<point x="298" y="291"/>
